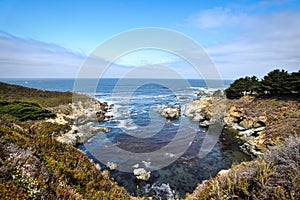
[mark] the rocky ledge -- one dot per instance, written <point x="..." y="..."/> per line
<point x="199" y="110"/>
<point x="81" y="116"/>
<point x="257" y="123"/>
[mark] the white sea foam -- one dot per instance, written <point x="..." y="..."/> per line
<point x="174" y="124"/>
<point x="171" y="155"/>
<point x="147" y="164"/>
<point x="126" y="124"/>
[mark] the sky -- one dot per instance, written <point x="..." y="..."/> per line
<point x="54" y="38"/>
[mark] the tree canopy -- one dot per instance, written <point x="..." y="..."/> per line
<point x="276" y="82"/>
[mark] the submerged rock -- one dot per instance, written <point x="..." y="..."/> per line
<point x="142" y="174"/>
<point x="170" y="112"/>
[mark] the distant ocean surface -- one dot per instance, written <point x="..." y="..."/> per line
<point x="133" y="101"/>
<point x="108" y="83"/>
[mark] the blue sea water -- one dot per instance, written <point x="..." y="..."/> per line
<point x="137" y="128"/>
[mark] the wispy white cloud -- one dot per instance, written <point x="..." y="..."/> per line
<point x="214" y="18"/>
<point x="21" y="57"/>
<point x="142" y="57"/>
<point x="261" y="42"/>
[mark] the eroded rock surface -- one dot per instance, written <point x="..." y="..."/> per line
<point x="211" y="110"/>
<point x="142" y="174"/>
<point x="80" y="116"/>
<point x="170" y="112"/>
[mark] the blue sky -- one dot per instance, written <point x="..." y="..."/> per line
<point x="52" y="38"/>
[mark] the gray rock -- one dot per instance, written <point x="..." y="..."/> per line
<point x="142" y="174"/>
<point x="170" y="112"/>
<point x="250" y="150"/>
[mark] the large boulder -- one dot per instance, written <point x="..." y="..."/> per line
<point x="170" y="112"/>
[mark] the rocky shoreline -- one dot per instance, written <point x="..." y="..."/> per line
<point x="257" y="123"/>
<point x="236" y="121"/>
<point x="210" y="110"/>
<point x="80" y="116"/>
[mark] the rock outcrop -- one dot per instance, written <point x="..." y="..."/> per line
<point x="142" y="174"/>
<point x="247" y="127"/>
<point x="206" y="111"/>
<point x="170" y="112"/>
<point x="80" y="116"/>
<point x="199" y="110"/>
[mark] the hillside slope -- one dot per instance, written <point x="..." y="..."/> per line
<point x="33" y="164"/>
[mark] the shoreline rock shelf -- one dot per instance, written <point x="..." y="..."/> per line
<point x="80" y="116"/>
<point x="246" y="127"/>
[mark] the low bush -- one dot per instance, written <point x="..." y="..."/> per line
<point x="275" y="175"/>
<point x="23" y="111"/>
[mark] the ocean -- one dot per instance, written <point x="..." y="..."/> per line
<point x="139" y="136"/>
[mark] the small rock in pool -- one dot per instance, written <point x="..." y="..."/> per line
<point x="111" y="165"/>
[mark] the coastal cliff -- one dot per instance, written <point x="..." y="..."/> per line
<point x="268" y="130"/>
<point x="37" y="158"/>
<point x="257" y="122"/>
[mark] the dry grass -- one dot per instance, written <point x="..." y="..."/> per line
<point x="275" y="175"/>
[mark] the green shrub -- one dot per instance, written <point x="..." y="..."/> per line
<point x="24" y="110"/>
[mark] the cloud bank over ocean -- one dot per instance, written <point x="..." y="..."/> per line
<point x="20" y="57"/>
<point x="242" y="37"/>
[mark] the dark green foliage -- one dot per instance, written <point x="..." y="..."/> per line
<point x="276" y="82"/>
<point x="242" y="86"/>
<point x="24" y="110"/>
<point x="295" y="81"/>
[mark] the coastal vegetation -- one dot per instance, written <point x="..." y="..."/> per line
<point x="276" y="82"/>
<point x="275" y="170"/>
<point x="33" y="164"/>
<point x="275" y="175"/>
<point x="23" y="110"/>
<point x="41" y="97"/>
